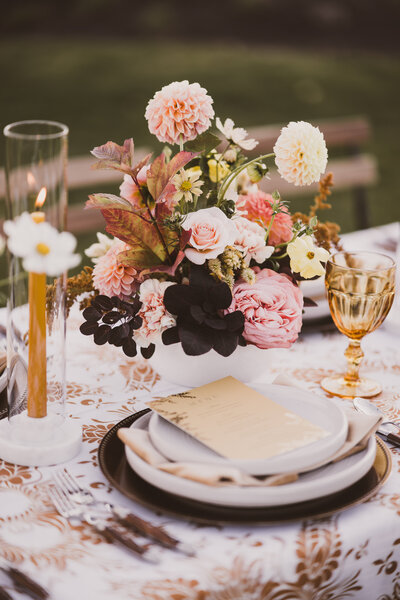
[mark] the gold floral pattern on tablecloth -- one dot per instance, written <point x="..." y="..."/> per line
<point x="140" y="376"/>
<point x="319" y="552"/>
<point x="30" y="511"/>
<point x="353" y="555"/>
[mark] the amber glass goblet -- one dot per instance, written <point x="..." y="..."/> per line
<point x="360" y="287"/>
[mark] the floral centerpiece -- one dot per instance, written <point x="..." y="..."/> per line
<point x="199" y="255"/>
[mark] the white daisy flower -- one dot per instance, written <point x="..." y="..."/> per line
<point x="187" y="185"/>
<point x="306" y="257"/>
<point x="42" y="248"/>
<point x="237" y="135"/>
<point x="100" y="248"/>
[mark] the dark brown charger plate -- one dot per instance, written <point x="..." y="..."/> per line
<point x="115" y="467"/>
<point x="321" y="325"/>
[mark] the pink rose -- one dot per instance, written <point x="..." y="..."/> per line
<point x="272" y="309"/>
<point x="130" y="191"/>
<point x="212" y="231"/>
<point x="258" y="206"/>
<point x="250" y="239"/>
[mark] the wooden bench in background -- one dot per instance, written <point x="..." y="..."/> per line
<point x="355" y="171"/>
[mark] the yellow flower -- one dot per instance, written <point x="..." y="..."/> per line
<point x="306" y="257"/>
<point x="217" y="169"/>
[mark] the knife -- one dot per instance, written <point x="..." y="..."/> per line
<point x="387" y="434"/>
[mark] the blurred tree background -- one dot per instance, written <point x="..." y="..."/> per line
<point x="94" y="64"/>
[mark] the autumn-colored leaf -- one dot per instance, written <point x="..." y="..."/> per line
<point x="135" y="170"/>
<point x="138" y="257"/>
<point x="178" y="161"/>
<point x="108" y="151"/>
<point x="113" y="156"/>
<point x="108" y="201"/>
<point x="135" y="231"/>
<point x="161" y="172"/>
<point x="166" y="269"/>
<point x="170" y="269"/>
<point x="157" y="177"/>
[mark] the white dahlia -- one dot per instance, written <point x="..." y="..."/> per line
<point x="300" y="153"/>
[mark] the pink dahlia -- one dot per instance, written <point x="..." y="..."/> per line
<point x="112" y="278"/>
<point x="272" y="308"/>
<point x="130" y="191"/>
<point x="259" y="209"/>
<point x="178" y="112"/>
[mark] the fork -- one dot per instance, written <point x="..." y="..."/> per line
<point x="84" y="497"/>
<point x="67" y="509"/>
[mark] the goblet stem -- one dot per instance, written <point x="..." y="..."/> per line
<point x="354" y="355"/>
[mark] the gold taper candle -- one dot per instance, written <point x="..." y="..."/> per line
<point x="37" y="385"/>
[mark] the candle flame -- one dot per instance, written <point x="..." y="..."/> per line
<point x="41" y="197"/>
<point x="31" y="179"/>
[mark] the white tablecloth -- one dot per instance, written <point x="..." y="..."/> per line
<point x="355" y="554"/>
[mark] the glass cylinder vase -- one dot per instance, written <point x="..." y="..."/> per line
<point x="38" y="432"/>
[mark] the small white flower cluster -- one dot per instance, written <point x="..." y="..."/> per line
<point x="42" y="248"/>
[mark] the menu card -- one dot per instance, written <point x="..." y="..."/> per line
<point x="237" y="422"/>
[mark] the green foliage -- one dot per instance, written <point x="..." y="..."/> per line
<point x="204" y="143"/>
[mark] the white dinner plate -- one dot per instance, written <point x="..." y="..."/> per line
<point x="177" y="445"/>
<point x="314" y="484"/>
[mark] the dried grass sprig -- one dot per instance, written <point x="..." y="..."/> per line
<point x="326" y="233"/>
<point x="76" y="285"/>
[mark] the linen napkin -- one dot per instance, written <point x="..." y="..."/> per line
<point x="360" y="429"/>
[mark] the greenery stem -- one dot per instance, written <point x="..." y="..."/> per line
<point x="228" y="180"/>
<point x="281" y="256"/>
<point x="269" y="227"/>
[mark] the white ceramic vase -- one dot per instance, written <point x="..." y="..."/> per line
<point x="246" y="364"/>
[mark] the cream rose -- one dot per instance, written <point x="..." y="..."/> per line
<point x="211" y="231"/>
<point x="250" y="239"/>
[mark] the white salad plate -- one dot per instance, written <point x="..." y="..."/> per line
<point x="313" y="484"/>
<point x="177" y="445"/>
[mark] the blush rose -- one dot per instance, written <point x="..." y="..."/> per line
<point x="272" y="309"/>
<point x="211" y="232"/>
